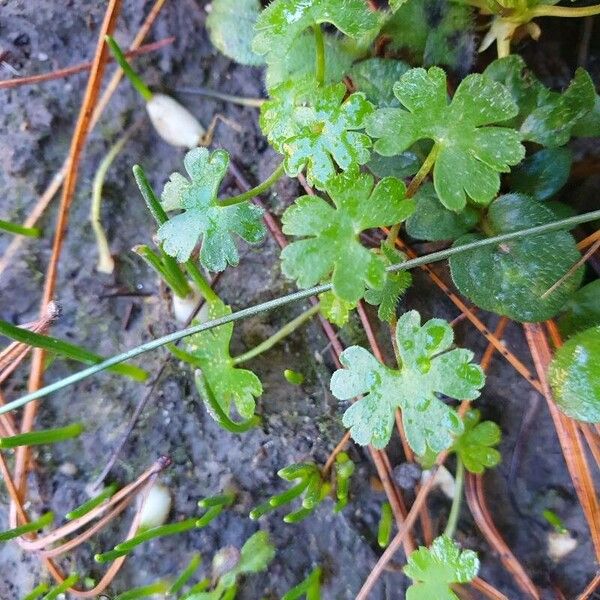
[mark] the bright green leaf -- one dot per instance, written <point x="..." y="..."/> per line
<point x="203" y="216"/>
<point x="331" y="245"/>
<point x="512" y="278"/>
<point x="255" y="556"/>
<point x="470" y="154"/>
<point x="475" y="445"/>
<point x="581" y="311"/>
<point x="375" y="78"/>
<point x="433" y="32"/>
<point x="544" y="116"/>
<point x="230" y="25"/>
<point x="229" y="384"/>
<point x="427" y="369"/>
<point x="334" y="309"/>
<point x="284" y="20"/>
<point x="574" y="375"/>
<point x="394" y="286"/>
<point x="589" y="124"/>
<point x="299" y="61"/>
<point x="434" y="569"/>
<point x="433" y="222"/>
<point x="542" y="174"/>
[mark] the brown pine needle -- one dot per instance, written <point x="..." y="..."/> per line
<point x="572" y="269"/>
<point x="568" y="436"/>
<point x="591" y="587"/>
<point x="589" y="240"/>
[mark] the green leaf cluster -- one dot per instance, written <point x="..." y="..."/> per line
<point x="428" y="368"/>
<point x="434" y="569"/>
<point x="315" y="128"/>
<point x="471" y="153"/>
<point x="203" y="216"/>
<point x="331" y="246"/>
<point x="475" y="446"/>
<point x="581" y="311"/>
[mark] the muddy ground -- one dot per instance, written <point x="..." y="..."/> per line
<point x="300" y="422"/>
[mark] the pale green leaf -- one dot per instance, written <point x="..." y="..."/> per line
<point x="230" y="25"/>
<point x="255" y="556"/>
<point x="331" y="245"/>
<point x="230" y="385"/>
<point x="375" y="78"/>
<point x="203" y="217"/>
<point x="434" y="569"/>
<point x="427" y="370"/>
<point x="475" y="446"/>
<point x="471" y="154"/>
<point x="574" y="375"/>
<point x="512" y="278"/>
<point x="334" y="309"/>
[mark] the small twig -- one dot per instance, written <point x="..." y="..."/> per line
<point x="80" y="67"/>
<point x="590" y="588"/>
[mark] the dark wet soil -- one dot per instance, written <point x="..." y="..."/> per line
<point x="300" y="422"/>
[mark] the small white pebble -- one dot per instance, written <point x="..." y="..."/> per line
<point x="156" y="507"/>
<point x="68" y="469"/>
<point x="443" y="480"/>
<point x="560" y="544"/>
<point x="42" y="56"/>
<point x="183" y="308"/>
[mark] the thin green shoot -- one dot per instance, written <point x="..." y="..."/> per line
<point x="277" y="174"/>
<point x="459" y="482"/>
<point x="384" y="531"/>
<point x="44" y="436"/>
<point x="298" y="515"/>
<point x="158" y="587"/>
<point x="198" y="588"/>
<point x="36" y="592"/>
<point x="289" y="495"/>
<point x="288" y="299"/>
<point x="344" y="469"/>
<point x="45" y="520"/>
<point x="9" y="227"/>
<point x="106" y="264"/>
<point x="185" y="575"/>
<point x="309" y="587"/>
<point x="218" y="500"/>
<point x="210" y="515"/>
<point x="66" y="349"/>
<point x="319" y="54"/>
<point x="57" y="590"/>
<point x="92" y="503"/>
<point x="554" y="520"/>
<point x="274" y="339"/>
<point x="170" y="274"/>
<point x="136" y="81"/>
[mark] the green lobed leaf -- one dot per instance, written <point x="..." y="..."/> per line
<point x="331" y="245"/>
<point x="470" y="153"/>
<point x="375" y="78"/>
<point x="475" y="445"/>
<point x="334" y="309"/>
<point x="589" y="124"/>
<point x="574" y="376"/>
<point x="229" y="384"/>
<point x="428" y="368"/>
<point x="394" y="286"/>
<point x="299" y="61"/>
<point x="320" y="133"/>
<point x="581" y="311"/>
<point x="255" y="556"/>
<point x="544" y="116"/>
<point x="511" y="278"/>
<point x="203" y="216"/>
<point x="543" y="174"/>
<point x="434" y="32"/>
<point x="433" y="222"/>
<point x="434" y="569"/>
<point x="284" y="20"/>
<point x="230" y="25"/>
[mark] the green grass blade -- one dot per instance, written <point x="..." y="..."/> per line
<point x="185" y="575"/>
<point x="40" y="523"/>
<point x="86" y="507"/>
<point x="56" y="591"/>
<point x="20" y="229"/>
<point x="159" y="587"/>
<point x="156" y="532"/>
<point x="65" y="349"/>
<point x="36" y="592"/>
<point x="45" y="436"/>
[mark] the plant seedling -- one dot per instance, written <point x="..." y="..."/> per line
<point x="344" y="469"/>
<point x="310" y="587"/>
